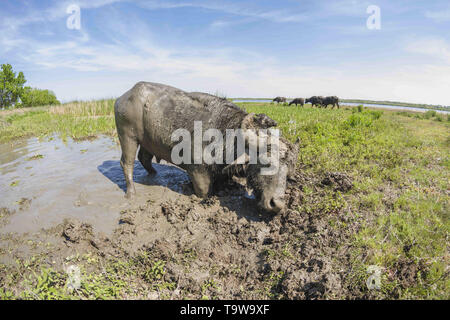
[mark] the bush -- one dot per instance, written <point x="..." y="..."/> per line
<point x="429" y="114"/>
<point x="376" y="114"/>
<point x="36" y="97"/>
<point x="358" y="120"/>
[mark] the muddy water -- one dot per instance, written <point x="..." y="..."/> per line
<point x="45" y="182"/>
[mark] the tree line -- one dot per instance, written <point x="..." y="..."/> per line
<point x="13" y="93"/>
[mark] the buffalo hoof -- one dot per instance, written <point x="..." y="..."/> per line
<point x="130" y="194"/>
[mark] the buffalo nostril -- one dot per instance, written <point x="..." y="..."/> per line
<point x="276" y="205"/>
<point x="272" y="203"/>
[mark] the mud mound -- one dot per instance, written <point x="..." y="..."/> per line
<point x="340" y="181"/>
<point x="5" y="213"/>
<point x="406" y="271"/>
<point x="180" y="246"/>
<point x="223" y="248"/>
<point x="24" y="203"/>
<point x="75" y="231"/>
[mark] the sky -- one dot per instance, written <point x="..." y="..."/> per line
<point x="242" y="48"/>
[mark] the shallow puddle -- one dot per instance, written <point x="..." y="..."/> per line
<point x="48" y="181"/>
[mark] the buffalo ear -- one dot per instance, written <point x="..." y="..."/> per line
<point x="258" y="121"/>
<point x="264" y="121"/>
<point x="248" y="121"/>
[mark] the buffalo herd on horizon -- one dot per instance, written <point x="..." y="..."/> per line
<point x="319" y="101"/>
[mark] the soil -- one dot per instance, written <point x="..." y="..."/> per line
<point x="222" y="240"/>
<point x="340" y="181"/>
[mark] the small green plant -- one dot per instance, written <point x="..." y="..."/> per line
<point x="6" y="294"/>
<point x="49" y="285"/>
<point x="14" y="183"/>
<point x="206" y="286"/>
<point x="35" y="157"/>
<point x="155" y="272"/>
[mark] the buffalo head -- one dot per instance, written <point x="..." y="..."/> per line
<point x="268" y="187"/>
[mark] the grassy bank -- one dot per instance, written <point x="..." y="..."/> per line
<point x="398" y="206"/>
<point x="76" y="120"/>
<point x="400" y="166"/>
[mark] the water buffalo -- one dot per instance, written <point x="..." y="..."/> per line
<point x="333" y="100"/>
<point x="315" y="101"/>
<point x="279" y="99"/>
<point x="149" y="113"/>
<point x="299" y="101"/>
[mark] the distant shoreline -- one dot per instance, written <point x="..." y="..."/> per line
<point x="400" y="104"/>
<point x="392" y="103"/>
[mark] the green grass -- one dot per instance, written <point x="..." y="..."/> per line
<point x="430" y="114"/>
<point x="401" y="170"/>
<point x="132" y="278"/>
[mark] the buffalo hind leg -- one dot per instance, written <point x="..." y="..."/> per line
<point x="129" y="148"/>
<point x="145" y="158"/>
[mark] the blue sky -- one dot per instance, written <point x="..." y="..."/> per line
<point x="243" y="48"/>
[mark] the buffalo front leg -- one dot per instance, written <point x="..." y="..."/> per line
<point x="129" y="148"/>
<point x="145" y="159"/>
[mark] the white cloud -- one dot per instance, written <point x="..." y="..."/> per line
<point x="280" y="16"/>
<point x="253" y="75"/>
<point x="220" y="24"/>
<point x="436" y="48"/>
<point x="345" y="7"/>
<point x="439" y="16"/>
<point x="424" y="84"/>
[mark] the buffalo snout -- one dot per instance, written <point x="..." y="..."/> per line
<point x="273" y="204"/>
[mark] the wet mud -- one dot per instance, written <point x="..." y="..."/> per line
<point x="221" y="247"/>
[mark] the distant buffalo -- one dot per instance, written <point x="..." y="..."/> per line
<point x="333" y="100"/>
<point x="279" y="99"/>
<point x="315" y="101"/>
<point x="297" y="101"/>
